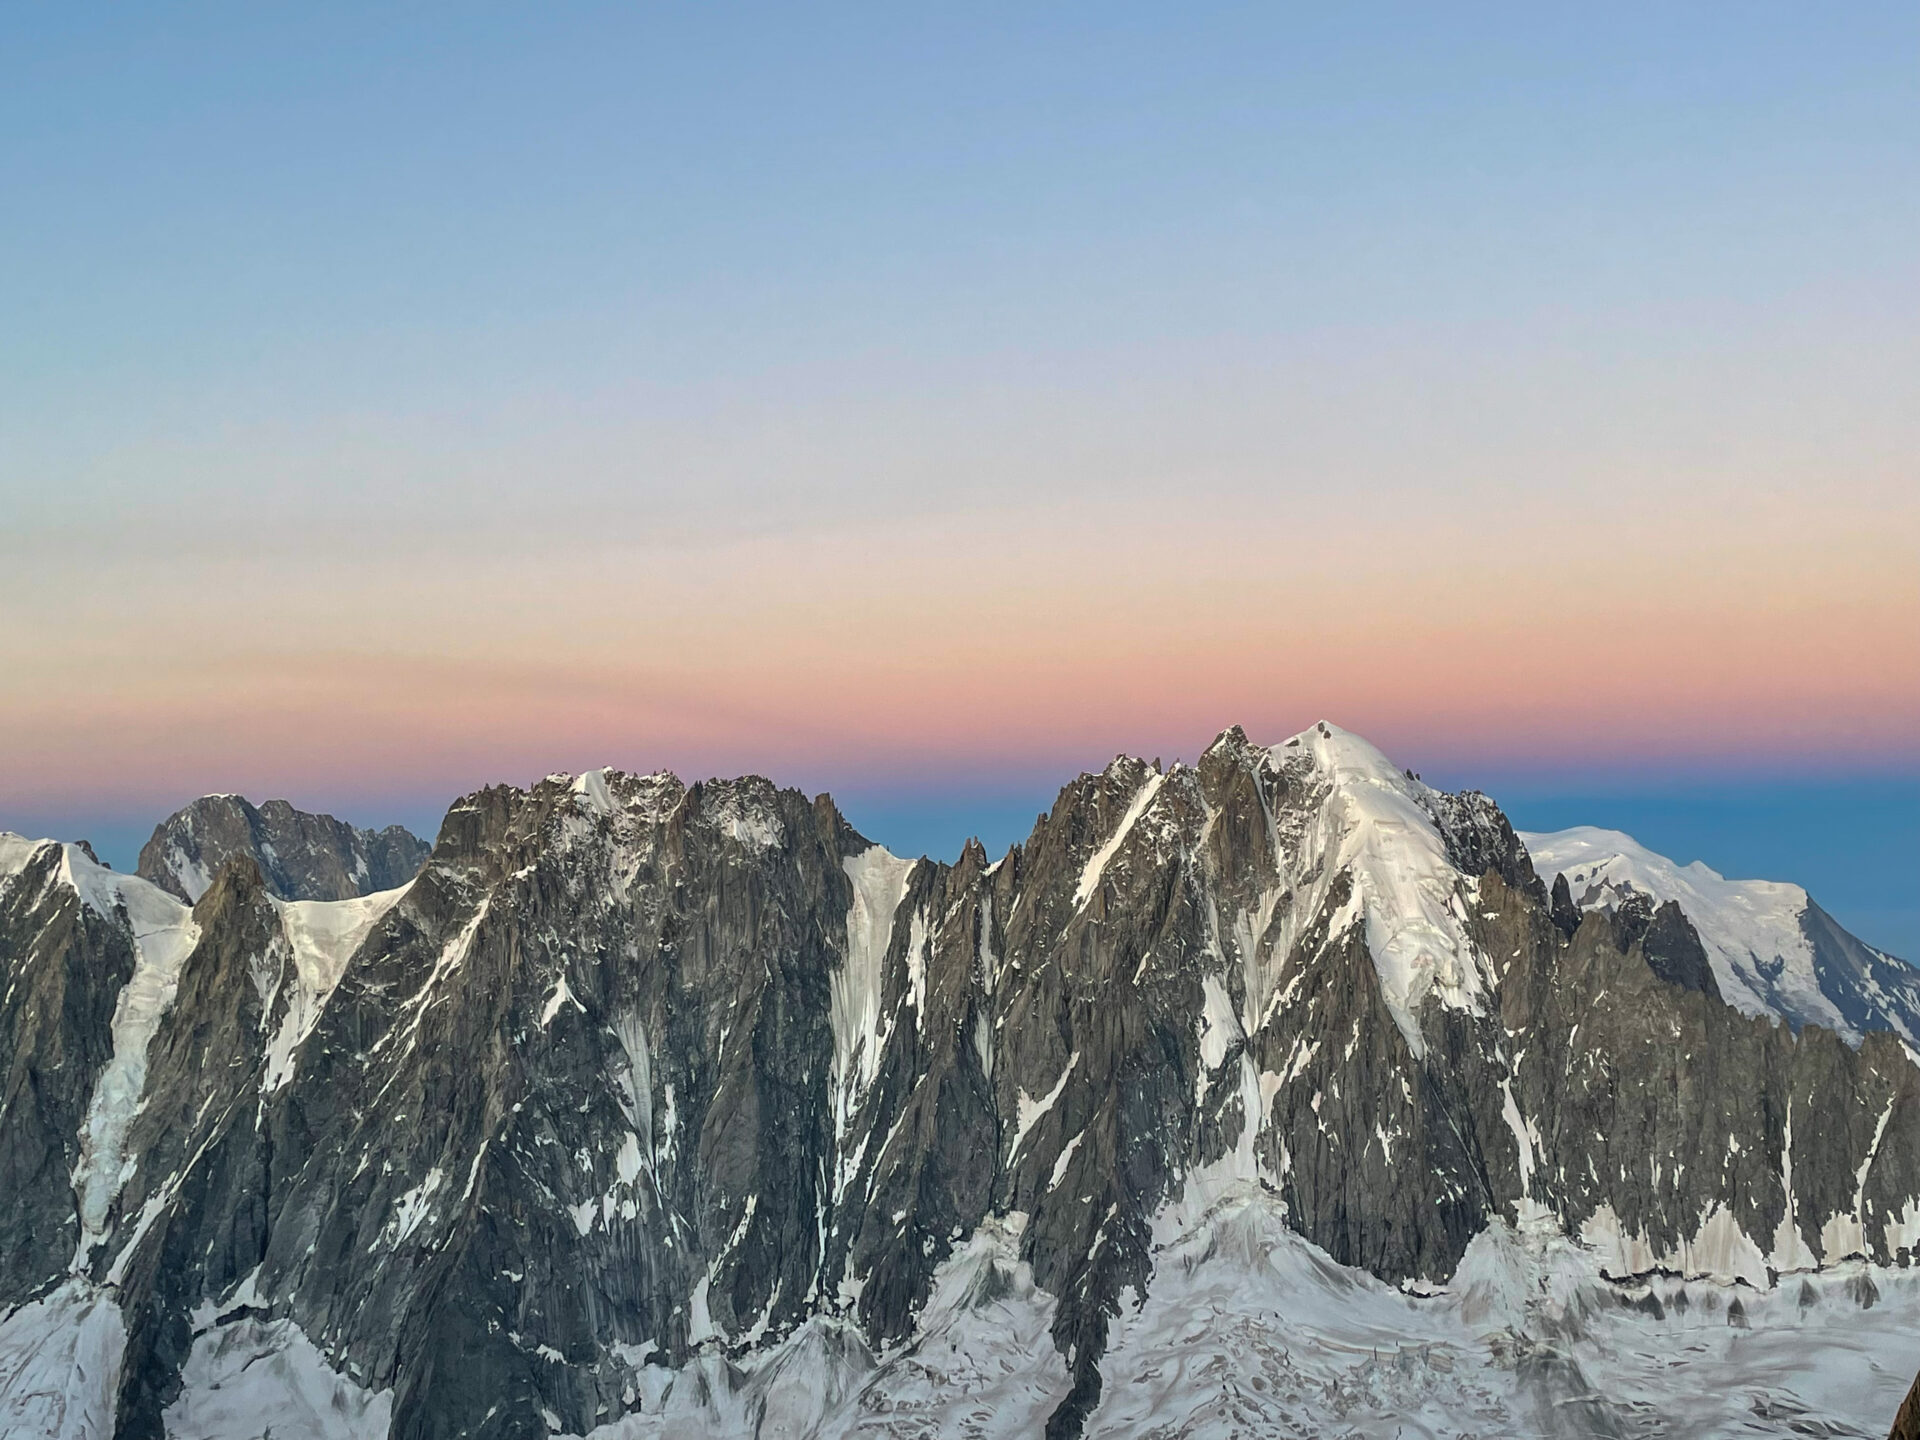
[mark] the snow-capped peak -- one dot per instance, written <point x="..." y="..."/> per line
<point x="16" y="851"/>
<point x="1375" y="823"/>
<point x="592" y="789"/>
<point x="1751" y="928"/>
<point x="1350" y="761"/>
<point x="1773" y="951"/>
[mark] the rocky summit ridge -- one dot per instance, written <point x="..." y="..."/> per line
<point x="1771" y="949"/>
<point x="649" y="1108"/>
<point x="300" y="856"/>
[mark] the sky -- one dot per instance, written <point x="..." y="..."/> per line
<point x="927" y="404"/>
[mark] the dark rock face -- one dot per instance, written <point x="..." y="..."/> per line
<point x="1871" y="989"/>
<point x="1566" y="915"/>
<point x="64" y="964"/>
<point x="641" y="1070"/>
<point x="1479" y="837"/>
<point x="1770" y="948"/>
<point x="1906" y="1424"/>
<point x="300" y="856"/>
<point x="1668" y="943"/>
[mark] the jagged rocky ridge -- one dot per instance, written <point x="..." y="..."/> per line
<point x="1772" y="950"/>
<point x="636" y="1080"/>
<point x="300" y="856"/>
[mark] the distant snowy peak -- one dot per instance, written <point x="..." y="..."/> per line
<point x="107" y="892"/>
<point x="1761" y="956"/>
<point x="301" y="856"/>
<point x="1773" y="950"/>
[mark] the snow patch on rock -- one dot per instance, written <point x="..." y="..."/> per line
<point x="1030" y="1109"/>
<point x="164" y="934"/>
<point x="253" y="1377"/>
<point x="1097" y="862"/>
<point x="1717" y="1250"/>
<point x="879" y="885"/>
<point x="323" y="935"/>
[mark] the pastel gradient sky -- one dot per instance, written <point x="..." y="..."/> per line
<point x="926" y="406"/>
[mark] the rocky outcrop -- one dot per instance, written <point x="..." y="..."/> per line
<point x="1771" y="950"/>
<point x="65" y="964"/>
<point x="300" y="856"/>
<point x="637" y="1076"/>
<point x="1906" y="1424"/>
<point x="1870" y="989"/>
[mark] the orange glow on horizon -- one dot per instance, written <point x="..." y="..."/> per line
<point x="1032" y="642"/>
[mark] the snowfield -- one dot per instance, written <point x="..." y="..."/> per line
<point x="1249" y="1330"/>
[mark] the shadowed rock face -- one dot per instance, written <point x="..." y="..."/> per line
<point x="64" y="965"/>
<point x="1871" y="989"/>
<point x="637" y="1069"/>
<point x="300" y="856"/>
<point x="1667" y="938"/>
<point x="1769" y="948"/>
<point x="1906" y="1425"/>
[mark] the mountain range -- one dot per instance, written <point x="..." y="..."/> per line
<point x="1278" y="1093"/>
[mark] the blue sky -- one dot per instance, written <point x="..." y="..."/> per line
<point x="278" y="212"/>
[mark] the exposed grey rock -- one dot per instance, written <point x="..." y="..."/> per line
<point x="637" y="1069"/>
<point x="1871" y="989"/>
<point x="64" y="964"/>
<point x="1906" y="1424"/>
<point x="1566" y="915"/>
<point x="1771" y="949"/>
<point x="300" y="856"/>
<point x="1668" y="941"/>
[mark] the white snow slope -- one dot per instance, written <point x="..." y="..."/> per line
<point x="60" y="1372"/>
<point x="251" y="1378"/>
<point x="982" y="1367"/>
<point x="164" y="934"/>
<point x="1249" y="1330"/>
<point x="60" y="1366"/>
<point x="1413" y="901"/>
<point x="323" y="935"/>
<point x="1753" y="930"/>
